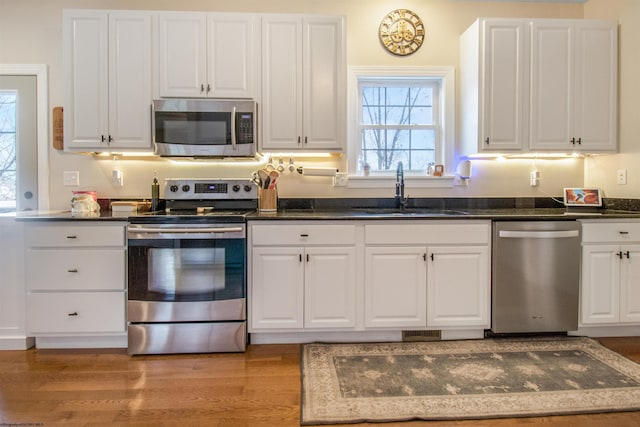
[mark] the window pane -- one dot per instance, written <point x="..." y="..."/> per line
<point x="423" y="139"/>
<point x="397" y="95"/>
<point x="422" y="115"/>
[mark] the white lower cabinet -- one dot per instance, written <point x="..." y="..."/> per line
<point x="458" y="286"/>
<point x="300" y="281"/>
<point x="610" y="288"/>
<point x="75" y="273"/>
<point x="370" y="276"/>
<point x="396" y="287"/>
<point x="432" y="284"/>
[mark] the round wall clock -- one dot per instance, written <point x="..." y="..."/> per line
<point x="401" y="32"/>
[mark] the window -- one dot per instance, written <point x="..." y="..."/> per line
<point x="400" y="115"/>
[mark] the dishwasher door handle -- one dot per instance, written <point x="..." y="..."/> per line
<point x="538" y="234"/>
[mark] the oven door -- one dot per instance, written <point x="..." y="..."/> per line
<point x="186" y="273"/>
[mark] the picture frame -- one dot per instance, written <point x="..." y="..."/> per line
<point x="588" y="197"/>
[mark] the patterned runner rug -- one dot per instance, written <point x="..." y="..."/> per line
<point x="492" y="378"/>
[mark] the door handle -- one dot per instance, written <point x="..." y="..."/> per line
<point x="538" y="234"/>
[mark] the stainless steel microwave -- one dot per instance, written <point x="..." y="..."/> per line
<point x="205" y="127"/>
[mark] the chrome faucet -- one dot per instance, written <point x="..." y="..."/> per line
<point x="400" y="199"/>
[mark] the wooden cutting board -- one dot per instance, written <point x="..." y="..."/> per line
<point x="58" y="128"/>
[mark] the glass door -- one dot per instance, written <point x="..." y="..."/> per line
<point x="18" y="143"/>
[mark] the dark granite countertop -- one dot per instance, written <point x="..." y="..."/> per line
<point x="417" y="213"/>
<point x="68" y="215"/>
<point x="383" y="209"/>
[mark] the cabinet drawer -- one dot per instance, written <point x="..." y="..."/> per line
<point x="441" y="232"/>
<point x="303" y="234"/>
<point x="73" y="312"/>
<point x="75" y="269"/>
<point x="70" y="235"/>
<point x="611" y="232"/>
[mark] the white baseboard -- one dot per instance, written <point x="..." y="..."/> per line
<point x="353" y="336"/>
<point x="16" y="343"/>
<point x="109" y="341"/>
<point x="608" y="331"/>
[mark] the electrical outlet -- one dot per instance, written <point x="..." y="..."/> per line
<point x="621" y="177"/>
<point x="117" y="177"/>
<point x="340" y="180"/>
<point x="71" y="178"/>
<point x="534" y="178"/>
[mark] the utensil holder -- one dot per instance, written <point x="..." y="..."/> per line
<point x="267" y="200"/>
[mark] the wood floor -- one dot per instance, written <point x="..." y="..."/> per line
<point x="258" y="388"/>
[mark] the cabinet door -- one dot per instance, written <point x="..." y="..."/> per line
<point x="596" y="85"/>
<point x="323" y="84"/>
<point x="552" y="71"/>
<point x="504" y="96"/>
<point x="182" y="50"/>
<point x="574" y="85"/>
<point x="330" y="287"/>
<point x="630" y="284"/>
<point x="86" y="105"/>
<point x="458" y="286"/>
<point x="600" y="296"/>
<point x="231" y="55"/>
<point x="130" y="80"/>
<point x="395" y="287"/>
<point x="277" y="294"/>
<point x="281" y="83"/>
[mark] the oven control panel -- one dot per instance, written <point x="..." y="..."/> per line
<point x="210" y="189"/>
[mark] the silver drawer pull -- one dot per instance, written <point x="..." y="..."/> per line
<point x="73" y="270"/>
<point x="75" y="313"/>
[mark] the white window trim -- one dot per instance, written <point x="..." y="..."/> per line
<point x="447" y="74"/>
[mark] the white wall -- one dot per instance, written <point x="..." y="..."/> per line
<point x="34" y="28"/>
<point x="601" y="170"/>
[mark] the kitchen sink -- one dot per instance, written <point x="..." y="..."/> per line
<point x="413" y="212"/>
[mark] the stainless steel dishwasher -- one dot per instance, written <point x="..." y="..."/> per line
<point x="535" y="276"/>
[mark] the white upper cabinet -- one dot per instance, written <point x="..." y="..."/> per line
<point x="303" y="83"/>
<point x="494" y="70"/>
<point x="107" y="63"/>
<point x="573" y="85"/>
<point x="208" y="55"/>
<point x="539" y="85"/>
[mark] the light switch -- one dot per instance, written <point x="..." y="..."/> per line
<point x="71" y="178"/>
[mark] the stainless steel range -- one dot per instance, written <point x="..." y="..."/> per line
<point x="187" y="275"/>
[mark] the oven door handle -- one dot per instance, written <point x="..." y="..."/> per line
<point x="186" y="230"/>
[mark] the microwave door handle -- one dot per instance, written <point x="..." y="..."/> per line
<point x="153" y="123"/>
<point x="233" y="129"/>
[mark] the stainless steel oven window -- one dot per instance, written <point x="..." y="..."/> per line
<point x="186" y="271"/>
<point x="174" y="270"/>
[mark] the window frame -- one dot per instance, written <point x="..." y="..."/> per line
<point x="445" y="152"/>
